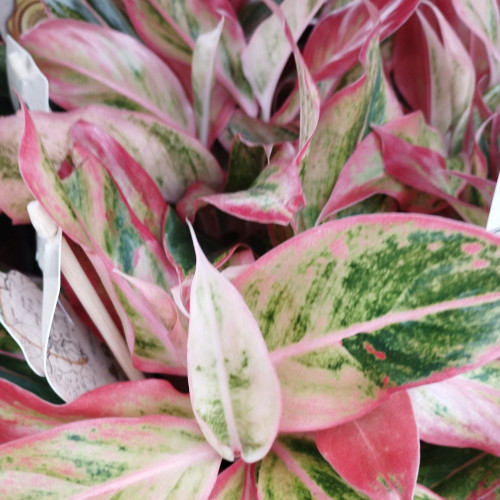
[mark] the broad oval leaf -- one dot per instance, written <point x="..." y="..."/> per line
<point x="142" y="457"/>
<point x="361" y="307"/>
<point x="378" y="453"/>
<point x="232" y="383"/>
<point x="106" y="67"/>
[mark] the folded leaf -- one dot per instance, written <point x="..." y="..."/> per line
<point x="125" y="74"/>
<point x="142" y="457"/>
<point x="461" y="411"/>
<point x="273" y="198"/>
<point x="237" y="482"/>
<point x="378" y="453"/>
<point x="233" y="386"/>
<point x="269" y="39"/>
<point x="347" y="307"/>
<point x="23" y="414"/>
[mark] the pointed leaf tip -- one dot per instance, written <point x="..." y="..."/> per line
<point x="233" y="385"/>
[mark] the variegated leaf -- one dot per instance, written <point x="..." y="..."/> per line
<point x="461" y="411"/>
<point x="233" y="386"/>
<point x="171" y="30"/>
<point x="237" y="482"/>
<point x="269" y="49"/>
<point x="106" y="67"/>
<point x="336" y="41"/>
<point x="294" y="469"/>
<point x="23" y="414"/>
<point x="378" y="453"/>
<point x="348" y="307"/>
<point x="364" y="174"/>
<point x="137" y="188"/>
<point x="142" y="457"/>
<point x="273" y="198"/>
<point x="344" y="121"/>
<point x="202" y="77"/>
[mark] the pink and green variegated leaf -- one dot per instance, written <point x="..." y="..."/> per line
<point x="232" y="383"/>
<point x="273" y="198"/>
<point x="171" y="31"/>
<point x="475" y="480"/>
<point x="143" y="457"/>
<point x="344" y="121"/>
<point x="42" y="179"/>
<point x="461" y="411"/>
<point x="423" y="493"/>
<point x="425" y="171"/>
<point x="89" y="64"/>
<point x="139" y="191"/>
<point x="438" y="76"/>
<point x="269" y="48"/>
<point x="162" y="150"/>
<point x="378" y="453"/>
<point x="364" y="174"/>
<point x="237" y="482"/>
<point x="347" y="307"/>
<point x="203" y="77"/>
<point x="23" y="414"/>
<point x="294" y="469"/>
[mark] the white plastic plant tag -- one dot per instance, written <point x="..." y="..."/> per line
<point x="493" y="224"/>
<point x="74" y="360"/>
<point x="25" y="78"/>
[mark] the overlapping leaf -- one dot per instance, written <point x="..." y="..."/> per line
<point x="377" y="453"/>
<point x="140" y="457"/>
<point x="106" y="67"/>
<point x="358" y="308"/>
<point x="23" y="414"/>
<point x="461" y="411"/>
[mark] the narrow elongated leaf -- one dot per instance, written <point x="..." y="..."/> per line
<point x="346" y="308"/>
<point x="364" y="174"/>
<point x="139" y="457"/>
<point x="202" y="77"/>
<point x="378" y="453"/>
<point x="336" y="41"/>
<point x="23" y="414"/>
<point x="344" y="121"/>
<point x="269" y="39"/>
<point x="461" y="411"/>
<point x="233" y="386"/>
<point x="273" y="198"/>
<point x="425" y="170"/>
<point x="125" y="74"/>
<point x="294" y="469"/>
<point x="172" y="33"/>
<point x="42" y="179"/>
<point x="136" y="186"/>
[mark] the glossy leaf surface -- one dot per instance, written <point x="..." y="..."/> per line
<point x="233" y="386"/>
<point x="347" y="307"/>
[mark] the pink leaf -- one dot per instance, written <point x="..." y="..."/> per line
<point x="378" y="453"/>
<point x="106" y="67"/>
<point x="236" y="482"/>
<point x="233" y="386"/>
<point x="23" y="414"/>
<point x="461" y="411"/>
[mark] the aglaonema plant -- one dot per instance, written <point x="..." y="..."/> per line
<point x="282" y="206"/>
